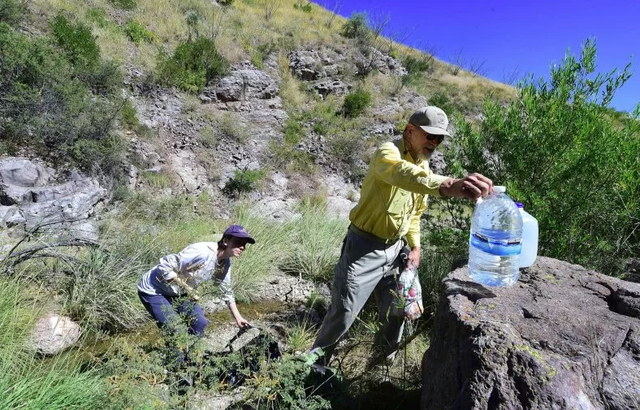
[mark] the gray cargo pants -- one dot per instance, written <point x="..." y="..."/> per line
<point x="365" y="265"/>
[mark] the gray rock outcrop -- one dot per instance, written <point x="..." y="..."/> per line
<point x="244" y="84"/>
<point x="563" y="337"/>
<point x="53" y="334"/>
<point x="31" y="194"/>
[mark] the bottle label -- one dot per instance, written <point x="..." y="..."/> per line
<point x="498" y="247"/>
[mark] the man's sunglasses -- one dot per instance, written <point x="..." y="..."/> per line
<point x="432" y="137"/>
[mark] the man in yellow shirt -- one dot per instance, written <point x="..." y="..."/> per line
<point x="392" y="199"/>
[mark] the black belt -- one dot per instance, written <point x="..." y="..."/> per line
<point x="371" y="236"/>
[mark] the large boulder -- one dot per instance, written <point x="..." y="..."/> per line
<point x="563" y="337"/>
<point x="243" y="84"/>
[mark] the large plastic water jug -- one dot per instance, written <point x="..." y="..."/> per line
<point x="495" y="242"/>
<point x="529" y="238"/>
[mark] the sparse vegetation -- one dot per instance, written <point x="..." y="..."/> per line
<point x="244" y="181"/>
<point x="138" y="33"/>
<point x="192" y="65"/>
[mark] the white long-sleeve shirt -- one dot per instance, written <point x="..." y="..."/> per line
<point x="194" y="264"/>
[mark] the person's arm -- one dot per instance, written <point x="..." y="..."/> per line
<point x="473" y="186"/>
<point x="188" y="259"/>
<point x="240" y="321"/>
<point x="392" y="169"/>
<point x="229" y="298"/>
<point x="413" y="235"/>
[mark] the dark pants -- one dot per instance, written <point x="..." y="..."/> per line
<point x="161" y="308"/>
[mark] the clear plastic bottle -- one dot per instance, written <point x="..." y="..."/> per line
<point x="529" y="238"/>
<point x="495" y="241"/>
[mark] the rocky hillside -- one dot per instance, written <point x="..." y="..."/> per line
<point x="278" y="124"/>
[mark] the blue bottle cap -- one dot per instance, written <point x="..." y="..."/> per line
<point x="519" y="205"/>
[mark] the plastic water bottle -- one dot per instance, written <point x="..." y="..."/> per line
<point x="529" y="238"/>
<point x="496" y="240"/>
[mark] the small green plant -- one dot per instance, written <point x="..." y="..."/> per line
<point x="357" y="27"/>
<point x="355" y="103"/>
<point x="293" y="131"/>
<point x="244" y="181"/>
<point x="300" y="337"/>
<point x="261" y="52"/>
<point x="125" y="4"/>
<point x="416" y="68"/>
<point x="207" y="137"/>
<point x="192" y="65"/>
<point x="301" y="5"/>
<point x="138" y="32"/>
<point x="159" y="180"/>
<point x="230" y="126"/>
<point x="129" y="115"/>
<point x="442" y="101"/>
<point x="98" y="16"/>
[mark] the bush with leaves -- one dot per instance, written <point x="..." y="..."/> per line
<point x="357" y="27"/>
<point x="48" y="103"/>
<point x="12" y="11"/>
<point x="244" y="181"/>
<point x="355" y="103"/>
<point x="561" y="152"/>
<point x="138" y="33"/>
<point x="192" y="65"/>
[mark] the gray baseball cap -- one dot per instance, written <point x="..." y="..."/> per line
<point x="431" y="119"/>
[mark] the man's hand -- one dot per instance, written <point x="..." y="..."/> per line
<point x="472" y="186"/>
<point x="414" y="257"/>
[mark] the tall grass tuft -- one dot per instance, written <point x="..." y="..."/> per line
<point x="27" y="382"/>
<point x="315" y="245"/>
<point x="101" y="292"/>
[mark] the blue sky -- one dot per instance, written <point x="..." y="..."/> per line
<point x="517" y="36"/>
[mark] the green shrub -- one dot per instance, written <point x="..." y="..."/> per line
<point x="416" y="68"/>
<point x="47" y="105"/>
<point x="286" y="154"/>
<point x="138" y="32"/>
<point x="98" y="16"/>
<point x="293" y="131"/>
<point x="442" y="101"/>
<point x="357" y="27"/>
<point x="192" y="66"/>
<point x="261" y="52"/>
<point x="12" y="12"/>
<point x="300" y="5"/>
<point x="355" y="103"/>
<point x="125" y="4"/>
<point x="244" y="181"/>
<point x="560" y="153"/>
<point x="129" y="115"/>
<point x="76" y="40"/>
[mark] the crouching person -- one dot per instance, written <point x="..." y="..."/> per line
<point x="163" y="288"/>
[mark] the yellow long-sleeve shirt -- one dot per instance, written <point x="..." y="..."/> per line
<point x="393" y="194"/>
